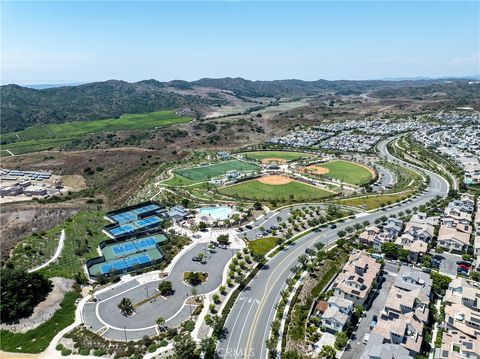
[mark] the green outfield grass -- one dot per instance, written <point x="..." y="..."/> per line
<point x="347" y="172"/>
<point x="284" y="155"/>
<point x="293" y="191"/>
<point x="205" y="173"/>
<point x="49" y="136"/>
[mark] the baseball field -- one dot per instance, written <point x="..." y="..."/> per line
<point x="346" y="171"/>
<point x="277" y="156"/>
<point x="205" y="173"/>
<point x="275" y="188"/>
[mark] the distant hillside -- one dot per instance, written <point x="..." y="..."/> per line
<point x="23" y="107"/>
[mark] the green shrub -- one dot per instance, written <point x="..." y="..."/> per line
<point x="66" y="352"/>
<point x="84" y="351"/>
<point x="99" y="352"/>
<point x="59" y="347"/>
<point x="152" y="348"/>
<point x="163" y="343"/>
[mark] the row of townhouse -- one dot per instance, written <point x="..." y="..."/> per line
<point x="455" y="228"/>
<point x="399" y="330"/>
<point x="415" y="237"/>
<point x="461" y="338"/>
<point x="352" y="286"/>
<point x="476" y="241"/>
<point x="418" y="234"/>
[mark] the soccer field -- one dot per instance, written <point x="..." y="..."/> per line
<point x="284" y="155"/>
<point x="206" y="173"/>
<point x="292" y="191"/>
<point x="347" y="172"/>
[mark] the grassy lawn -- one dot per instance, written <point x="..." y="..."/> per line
<point x="42" y="137"/>
<point x="293" y="191"/>
<point x="83" y="233"/>
<point x="285" y="155"/>
<point x="35" y="249"/>
<point x="262" y="245"/>
<point x="38" y="339"/>
<point x="178" y="180"/>
<point x="206" y="173"/>
<point x="372" y="202"/>
<point x="347" y="172"/>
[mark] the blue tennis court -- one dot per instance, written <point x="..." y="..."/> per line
<point x="126" y="263"/>
<point x="135" y="225"/>
<point x="146" y="243"/>
<point x="132" y="215"/>
<point x="123" y="249"/>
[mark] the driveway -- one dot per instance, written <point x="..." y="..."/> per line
<point x="356" y="346"/>
<point x="170" y="308"/>
<point x="448" y="263"/>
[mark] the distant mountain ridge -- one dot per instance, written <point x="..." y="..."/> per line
<point x="22" y="107"/>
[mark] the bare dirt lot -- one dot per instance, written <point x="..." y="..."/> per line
<point x="275" y="180"/>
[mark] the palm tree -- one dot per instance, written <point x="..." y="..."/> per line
<point x="161" y="323"/>
<point x="125" y="306"/>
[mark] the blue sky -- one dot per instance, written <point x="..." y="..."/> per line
<point x="57" y="42"/>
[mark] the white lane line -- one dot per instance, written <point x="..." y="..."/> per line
<point x="243" y="328"/>
<point x="235" y="323"/>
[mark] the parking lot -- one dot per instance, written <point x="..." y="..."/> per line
<point x="268" y="220"/>
<point x="169" y="307"/>
<point x="356" y="346"/>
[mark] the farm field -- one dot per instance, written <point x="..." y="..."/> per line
<point x="292" y="191"/>
<point x="206" y="173"/>
<point x="347" y="172"/>
<point x="49" y="136"/>
<point x="284" y="155"/>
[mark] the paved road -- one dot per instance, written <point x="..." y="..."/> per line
<point x="248" y="325"/>
<point x="106" y="311"/>
<point x="356" y="346"/>
<point x="386" y="178"/>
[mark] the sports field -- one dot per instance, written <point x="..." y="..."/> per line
<point x="52" y="135"/>
<point x="345" y="171"/>
<point x="261" y="191"/>
<point x="283" y="155"/>
<point x="205" y="173"/>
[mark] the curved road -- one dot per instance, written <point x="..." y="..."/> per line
<point x="248" y="325"/>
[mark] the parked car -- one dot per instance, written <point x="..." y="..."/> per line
<point x="196" y="259"/>
<point x="240" y="229"/>
<point x="465" y="267"/>
<point x="373" y="322"/>
<point x="248" y="226"/>
<point x="333" y="226"/>
<point x="464" y="263"/>
<point x="366" y="338"/>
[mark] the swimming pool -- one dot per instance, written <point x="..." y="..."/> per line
<point x="217" y="213"/>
